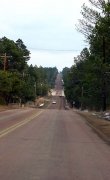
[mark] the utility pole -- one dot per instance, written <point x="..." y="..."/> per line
<point x="5" y="56"/>
<point x="35" y="89"/>
<point x="35" y="93"/>
<point x="82" y="99"/>
<point x="41" y="89"/>
<point x="104" y="85"/>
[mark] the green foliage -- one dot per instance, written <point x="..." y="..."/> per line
<point x="5" y="82"/>
<point x="89" y="78"/>
<point x="19" y="80"/>
<point x="10" y="86"/>
<point x="17" y="55"/>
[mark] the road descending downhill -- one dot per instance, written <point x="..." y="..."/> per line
<point x="51" y="144"/>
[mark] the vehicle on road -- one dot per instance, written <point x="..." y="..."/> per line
<point x="60" y="95"/>
<point x="54" y="102"/>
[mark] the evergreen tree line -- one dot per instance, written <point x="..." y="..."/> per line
<point x="18" y="80"/>
<point x="87" y="82"/>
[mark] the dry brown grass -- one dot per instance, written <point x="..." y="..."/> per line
<point x="42" y="100"/>
<point x="3" y="108"/>
<point x="39" y="101"/>
<point x="100" y="125"/>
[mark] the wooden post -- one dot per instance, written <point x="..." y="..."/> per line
<point x="5" y="56"/>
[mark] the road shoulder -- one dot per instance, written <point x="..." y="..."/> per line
<point x="98" y="124"/>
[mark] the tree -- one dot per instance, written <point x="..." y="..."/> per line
<point x="92" y="16"/>
<point x="19" y="55"/>
<point x="19" y="79"/>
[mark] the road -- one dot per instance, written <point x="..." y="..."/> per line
<point x="51" y="144"/>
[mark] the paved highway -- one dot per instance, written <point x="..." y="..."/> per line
<point x="50" y="144"/>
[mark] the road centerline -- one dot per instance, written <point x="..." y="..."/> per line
<point x="6" y="131"/>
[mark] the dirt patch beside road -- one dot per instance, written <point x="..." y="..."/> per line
<point x="100" y="125"/>
<point x="4" y="108"/>
<point x="42" y="100"/>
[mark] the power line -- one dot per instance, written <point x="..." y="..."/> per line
<point x="58" y="50"/>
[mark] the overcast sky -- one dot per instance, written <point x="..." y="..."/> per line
<point x="47" y="28"/>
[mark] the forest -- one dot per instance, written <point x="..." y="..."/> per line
<point x="87" y="82"/>
<point x="18" y="80"/>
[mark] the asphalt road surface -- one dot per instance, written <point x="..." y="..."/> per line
<point x="51" y="144"/>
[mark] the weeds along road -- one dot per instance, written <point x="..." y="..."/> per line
<point x="50" y="144"/>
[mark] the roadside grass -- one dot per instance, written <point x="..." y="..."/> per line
<point x="39" y="101"/>
<point x="4" y="107"/>
<point x="100" y="125"/>
<point x="42" y="100"/>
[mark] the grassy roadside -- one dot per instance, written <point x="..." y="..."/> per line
<point x="100" y="125"/>
<point x="42" y="100"/>
<point x="4" y="108"/>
